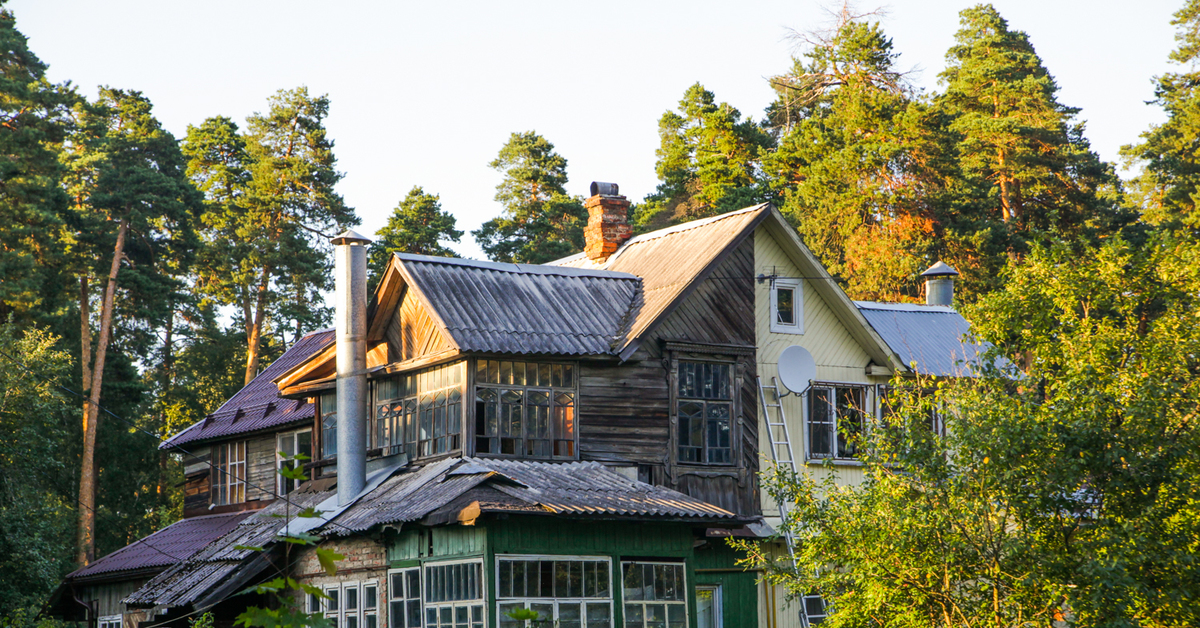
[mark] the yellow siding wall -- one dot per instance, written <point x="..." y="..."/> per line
<point x="838" y="355"/>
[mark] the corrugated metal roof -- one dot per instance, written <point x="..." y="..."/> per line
<point x="170" y="545"/>
<point x="518" y="308"/>
<point x="258" y="405"/>
<point x="671" y="259"/>
<point x="931" y="336"/>
<point x="574" y="489"/>
<point x="192" y="579"/>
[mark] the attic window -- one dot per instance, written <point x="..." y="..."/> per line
<point x="419" y="413"/>
<point x="787" y="306"/>
<point x="704" y="405"/>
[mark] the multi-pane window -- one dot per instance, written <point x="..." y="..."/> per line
<point x="567" y="593"/>
<point x="229" y="473"/>
<point x="786" y="306"/>
<point x="287" y="447"/>
<point x="328" y="407"/>
<point x="836" y="420"/>
<point x="404" y="598"/>
<point x="655" y="595"/>
<point x="454" y="595"/>
<point x="525" y="409"/>
<point x="109" y="621"/>
<point x="419" y="413"/>
<point x="704" y="405"/>
<point x="350" y="604"/>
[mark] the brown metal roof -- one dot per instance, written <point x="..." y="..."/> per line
<point x="258" y="405"/>
<point x="170" y="545"/>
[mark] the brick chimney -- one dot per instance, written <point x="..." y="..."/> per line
<point x="608" y="224"/>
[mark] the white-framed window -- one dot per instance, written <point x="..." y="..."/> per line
<point x="404" y="598"/>
<point x="704" y="413"/>
<point x="837" y="418"/>
<point x="565" y="591"/>
<point x="655" y="594"/>
<point x="229" y="473"/>
<point x="327" y="406"/>
<point x="109" y="621"/>
<point x="287" y="446"/>
<point x="350" y="604"/>
<point x="814" y="609"/>
<point x="787" y="306"/>
<point x="454" y="594"/>
<point x="708" y="606"/>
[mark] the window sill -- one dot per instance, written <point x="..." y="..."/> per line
<point x="793" y="330"/>
<point x="837" y="462"/>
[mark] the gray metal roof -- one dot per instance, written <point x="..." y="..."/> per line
<point x="528" y="309"/>
<point x="933" y="337"/>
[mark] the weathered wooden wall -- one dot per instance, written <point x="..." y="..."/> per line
<point x="260" y="467"/>
<point x="196" y="486"/>
<point x="412" y="332"/>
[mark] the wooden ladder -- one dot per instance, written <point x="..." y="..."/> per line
<point x="812" y="611"/>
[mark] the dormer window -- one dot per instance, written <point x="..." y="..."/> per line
<point x="787" y="306"/>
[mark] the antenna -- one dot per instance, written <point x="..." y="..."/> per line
<point x="797" y="369"/>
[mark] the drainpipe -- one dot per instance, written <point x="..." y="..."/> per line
<point x="350" y="301"/>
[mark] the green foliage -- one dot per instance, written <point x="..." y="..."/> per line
<point x="417" y="225"/>
<point x="23" y="618"/>
<point x="1167" y="186"/>
<point x="860" y="163"/>
<point x="36" y="481"/>
<point x="708" y="162"/>
<point x="205" y="620"/>
<point x="540" y="222"/>
<point x="36" y="119"/>
<point x="1066" y="490"/>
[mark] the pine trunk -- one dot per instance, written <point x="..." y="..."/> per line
<point x="87" y="475"/>
<point x="254" y="332"/>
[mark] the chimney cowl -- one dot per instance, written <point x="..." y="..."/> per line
<point x="939" y="284"/>
<point x="350" y="236"/>
<point x="940" y="269"/>
<point x="600" y="188"/>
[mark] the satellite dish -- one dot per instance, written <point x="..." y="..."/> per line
<point x="797" y="368"/>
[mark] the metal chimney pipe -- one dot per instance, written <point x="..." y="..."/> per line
<point x="350" y="268"/>
<point x="939" y="284"/>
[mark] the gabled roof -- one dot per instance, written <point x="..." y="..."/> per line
<point x="258" y="405"/>
<point x="933" y="337"/>
<point x="523" y="308"/>
<point x="170" y="545"/>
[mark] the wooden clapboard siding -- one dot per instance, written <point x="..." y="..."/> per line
<point x="260" y="467"/>
<point x="412" y="332"/>
<point x="196" y="470"/>
<point x="623" y="412"/>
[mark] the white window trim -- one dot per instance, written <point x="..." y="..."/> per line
<point x="280" y="480"/>
<point x="108" y="620"/>
<point x="338" y="617"/>
<point x="479" y="601"/>
<point x="527" y="600"/>
<point x="687" y="612"/>
<point x="718" y="610"/>
<point x="391" y="598"/>
<point x="797" y="287"/>
<point x="870" y="414"/>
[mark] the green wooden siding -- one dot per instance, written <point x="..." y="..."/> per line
<point x="440" y="543"/>
<point x="739" y="589"/>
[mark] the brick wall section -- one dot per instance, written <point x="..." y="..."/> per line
<point x="608" y="226"/>
<point x="365" y="560"/>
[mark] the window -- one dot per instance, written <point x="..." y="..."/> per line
<point x="350" y="604"/>
<point x="328" y="408"/>
<point x="288" y="446"/>
<point x="454" y="595"/>
<point x="704" y="403"/>
<point x="109" y="621"/>
<point x="787" y="306"/>
<point x="565" y="592"/>
<point x="404" y="595"/>
<point x="419" y="413"/>
<point x="836" y="419"/>
<point x="229" y="473"/>
<point x="655" y="595"/>
<point x="890" y="401"/>
<point x="814" y="609"/>
<point x="708" y="606"/>
<point x="525" y="409"/>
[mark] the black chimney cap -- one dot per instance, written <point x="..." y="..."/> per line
<point x="605" y="189"/>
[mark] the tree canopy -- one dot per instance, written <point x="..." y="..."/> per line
<point x="417" y="225"/>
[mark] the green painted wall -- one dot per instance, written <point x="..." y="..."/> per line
<point x="443" y="542"/>
<point x="739" y="589"/>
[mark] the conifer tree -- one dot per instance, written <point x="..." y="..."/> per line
<point x="1170" y="179"/>
<point x="417" y="225"/>
<point x="540" y="222"/>
<point x="1026" y="167"/>
<point x="708" y="161"/>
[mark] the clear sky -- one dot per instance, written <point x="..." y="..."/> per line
<point x="425" y="93"/>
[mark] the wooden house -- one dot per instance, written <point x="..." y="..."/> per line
<point x="577" y="438"/>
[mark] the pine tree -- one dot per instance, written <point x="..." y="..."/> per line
<point x="417" y="225"/>
<point x="858" y="164"/>
<point x="36" y="119"/>
<point x="1027" y="168"/>
<point x="540" y="222"/>
<point x="134" y="211"/>
<point x="708" y="161"/>
<point x="1170" y="179"/>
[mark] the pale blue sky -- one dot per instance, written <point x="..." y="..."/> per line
<point x="425" y="93"/>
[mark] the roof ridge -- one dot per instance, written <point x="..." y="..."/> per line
<point x="520" y="269"/>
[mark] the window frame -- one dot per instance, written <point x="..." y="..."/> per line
<point x="797" y="288"/>
<point x="683" y="588"/>
<point x="414" y="410"/>
<point x="718" y="604"/>
<point x="833" y="421"/>
<point x="108" y="621"/>
<point x="283" y="485"/>
<point x="571" y="412"/>
<point x="328" y="436"/>
<point x="340" y="614"/>
<point x="405" y="599"/>
<point x="481" y="601"/>
<point x="225" y="483"/>
<point x="582" y="601"/>
<point x="734" y="414"/>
